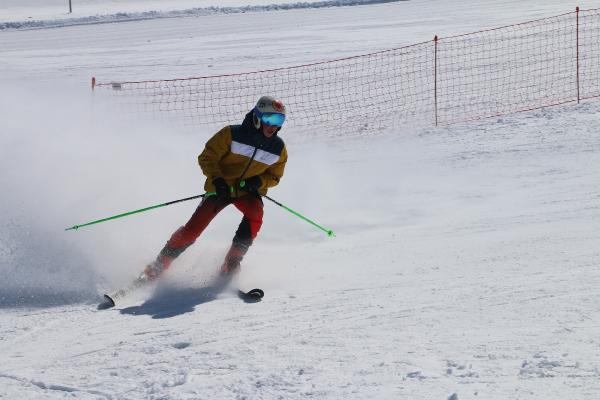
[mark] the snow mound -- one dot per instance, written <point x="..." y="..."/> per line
<point x="192" y="12"/>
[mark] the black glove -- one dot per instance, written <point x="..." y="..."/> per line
<point x="222" y="189"/>
<point x="251" y="184"/>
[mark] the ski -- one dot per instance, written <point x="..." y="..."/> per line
<point x="251" y="296"/>
<point x="111" y="298"/>
<point x="228" y="284"/>
<point x="108" y="302"/>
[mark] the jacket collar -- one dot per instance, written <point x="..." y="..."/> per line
<point x="248" y="128"/>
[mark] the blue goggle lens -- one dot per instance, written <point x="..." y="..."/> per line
<point x="272" y="119"/>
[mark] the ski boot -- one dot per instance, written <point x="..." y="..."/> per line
<point x="155" y="268"/>
<point x="151" y="272"/>
<point x="233" y="258"/>
<point x="231" y="264"/>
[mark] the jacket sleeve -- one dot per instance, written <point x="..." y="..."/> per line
<point x="215" y="149"/>
<point x="274" y="173"/>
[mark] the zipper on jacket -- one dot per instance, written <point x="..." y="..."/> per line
<point x="237" y="182"/>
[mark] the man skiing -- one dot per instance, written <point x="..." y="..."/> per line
<point x="240" y="163"/>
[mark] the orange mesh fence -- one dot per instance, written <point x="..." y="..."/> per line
<point x="589" y="53"/>
<point x="520" y="67"/>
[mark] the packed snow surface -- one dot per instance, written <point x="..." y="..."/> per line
<point x="465" y="262"/>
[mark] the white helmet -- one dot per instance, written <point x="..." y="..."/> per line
<point x="268" y="111"/>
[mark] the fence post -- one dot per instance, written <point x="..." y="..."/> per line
<point x="70" y="7"/>
<point x="577" y="34"/>
<point x="93" y="82"/>
<point x="435" y="62"/>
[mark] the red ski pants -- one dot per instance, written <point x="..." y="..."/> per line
<point x="250" y="205"/>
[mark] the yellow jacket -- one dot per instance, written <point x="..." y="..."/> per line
<point x="239" y="152"/>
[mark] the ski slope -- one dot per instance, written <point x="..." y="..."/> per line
<point x="466" y="259"/>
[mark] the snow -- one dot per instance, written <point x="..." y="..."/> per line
<point x="466" y="259"/>
<point x="46" y="15"/>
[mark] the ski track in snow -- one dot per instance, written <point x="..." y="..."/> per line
<point x="465" y="264"/>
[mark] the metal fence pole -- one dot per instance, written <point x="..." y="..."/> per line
<point x="577" y="44"/>
<point x="435" y="62"/>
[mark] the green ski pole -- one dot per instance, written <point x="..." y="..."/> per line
<point x="75" y="227"/>
<point x="329" y="232"/>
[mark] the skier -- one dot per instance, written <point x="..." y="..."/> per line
<point x="240" y="163"/>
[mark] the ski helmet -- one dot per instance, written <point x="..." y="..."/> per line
<point x="268" y="111"/>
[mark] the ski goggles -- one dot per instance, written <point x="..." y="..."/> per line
<point x="272" y="119"/>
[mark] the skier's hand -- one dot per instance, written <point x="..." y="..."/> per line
<point x="251" y="184"/>
<point x="222" y="189"/>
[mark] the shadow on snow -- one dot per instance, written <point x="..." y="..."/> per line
<point x="173" y="302"/>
